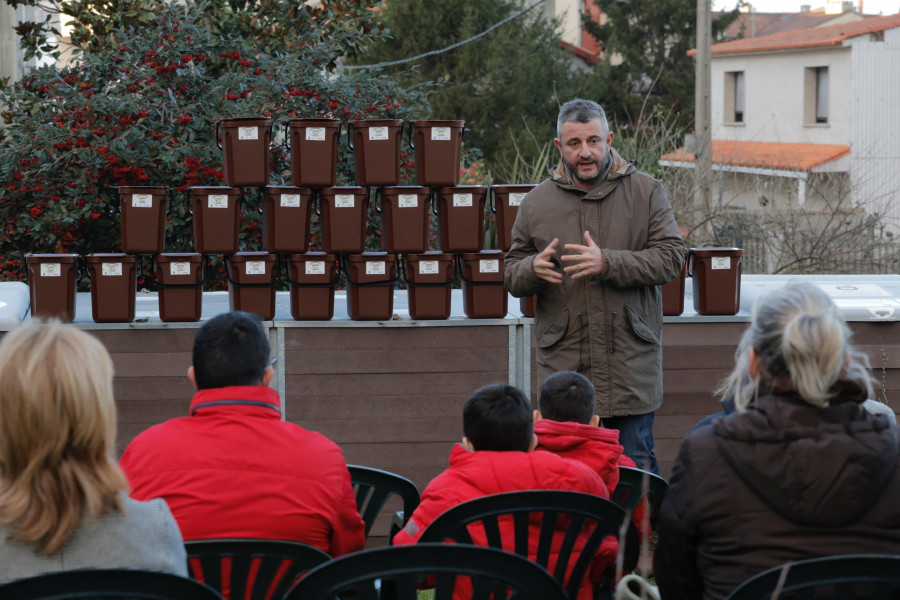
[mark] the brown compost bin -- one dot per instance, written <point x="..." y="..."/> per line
<point x="716" y="277"/>
<point x="429" y="278"/>
<point x="52" y="279"/>
<point x="376" y="149"/>
<point x="484" y="295"/>
<point x="143" y="214"/>
<point x="251" y="283"/>
<point x="216" y="219"/>
<point x="314" y="151"/>
<point x="371" y="277"/>
<point x="286" y="218"/>
<point x="344" y="218"/>
<point x="404" y="212"/>
<point x="527" y="305"/>
<point x="673" y="291"/>
<point x="313" y="277"/>
<point x="437" y="145"/>
<point x="244" y="142"/>
<point x="461" y="215"/>
<point x="179" y="278"/>
<point x="505" y="204"/>
<point x="113" y="287"/>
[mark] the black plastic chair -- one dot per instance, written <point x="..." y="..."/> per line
<point x="571" y="512"/>
<point x="628" y="492"/>
<point x="107" y="584"/>
<point x="367" y="575"/>
<point x="273" y="565"/>
<point x="842" y="577"/>
<point x="374" y="487"/>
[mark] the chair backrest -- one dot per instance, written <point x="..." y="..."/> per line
<point x="843" y="577"/>
<point x="107" y="584"/>
<point x="628" y="491"/>
<point x="544" y="517"/>
<point x="368" y="574"/>
<point x="374" y="487"/>
<point x="266" y="567"/>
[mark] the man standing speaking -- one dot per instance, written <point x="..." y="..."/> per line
<point x="595" y="241"/>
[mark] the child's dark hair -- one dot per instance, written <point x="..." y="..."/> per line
<point x="567" y="396"/>
<point x="499" y="417"/>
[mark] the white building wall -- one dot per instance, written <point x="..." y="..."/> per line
<point x="568" y="12"/>
<point x="774" y="97"/>
<point x="875" y="160"/>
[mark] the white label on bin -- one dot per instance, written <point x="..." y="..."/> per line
<point x="248" y="133"/>
<point x="441" y="134"/>
<point x="407" y="200"/>
<point x="489" y="265"/>
<point x="315" y="134"/>
<point x="180" y="268"/>
<point x="217" y="201"/>
<point x="378" y="133"/>
<point x="142" y="200"/>
<point x="428" y="267"/>
<point x="721" y="262"/>
<point x="375" y="267"/>
<point x="344" y="201"/>
<point x="255" y="267"/>
<point x="515" y="199"/>
<point x="111" y="269"/>
<point x="290" y="200"/>
<point x="315" y="267"/>
<point x="51" y="270"/>
<point x="462" y="199"/>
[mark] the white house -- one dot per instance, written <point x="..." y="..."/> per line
<point x="794" y="105"/>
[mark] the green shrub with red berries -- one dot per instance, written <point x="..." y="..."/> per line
<point x="142" y="111"/>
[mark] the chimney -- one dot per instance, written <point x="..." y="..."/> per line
<point x="860" y="7"/>
<point x="805" y="8"/>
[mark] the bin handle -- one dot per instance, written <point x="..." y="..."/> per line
<point x="316" y="203"/>
<point x="411" y="136"/>
<point x="217" y="134"/>
<point x="378" y="195"/>
<point x="690" y="262"/>
<point x="492" y="200"/>
<point x="349" y="135"/>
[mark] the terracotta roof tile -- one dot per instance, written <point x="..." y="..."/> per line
<point x="767" y="155"/>
<point x="829" y="35"/>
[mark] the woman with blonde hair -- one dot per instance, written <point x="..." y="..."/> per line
<point x="63" y="498"/>
<point x="800" y="470"/>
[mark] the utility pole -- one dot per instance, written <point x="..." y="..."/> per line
<point x="702" y="104"/>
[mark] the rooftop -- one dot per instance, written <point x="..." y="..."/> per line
<point x="766" y="155"/>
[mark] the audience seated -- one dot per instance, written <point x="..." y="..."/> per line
<point x="63" y="498"/>
<point x="496" y="456"/>
<point x="799" y="470"/>
<point x="233" y="468"/>
<point x="565" y="424"/>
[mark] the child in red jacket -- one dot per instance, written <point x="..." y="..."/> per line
<point x="496" y="456"/>
<point x="565" y="424"/>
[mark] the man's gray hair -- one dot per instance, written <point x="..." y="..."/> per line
<point x="580" y="111"/>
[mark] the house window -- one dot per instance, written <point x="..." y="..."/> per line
<point x="734" y="97"/>
<point x="815" y="95"/>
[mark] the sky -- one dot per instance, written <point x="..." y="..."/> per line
<point x="870" y="7"/>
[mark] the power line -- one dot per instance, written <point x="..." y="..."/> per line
<point x="452" y="46"/>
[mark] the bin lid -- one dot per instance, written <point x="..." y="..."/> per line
<point x="437" y="123"/>
<point x="483" y="254"/>
<point x="344" y="189"/>
<point x="110" y="257"/>
<point x="289" y="189"/>
<point x="137" y="189"/>
<point x="245" y="256"/>
<point x="514" y="187"/>
<point x="447" y="192"/>
<point x="248" y="120"/>
<point x="214" y="189"/>
<point x="316" y="122"/>
<point x="711" y="251"/>
<point x="430" y="255"/>
<point x="60" y="258"/>
<point x="377" y="123"/>
<point x="307" y="256"/>
<point x="179" y="257"/>
<point x="366" y="256"/>
<point x="394" y="190"/>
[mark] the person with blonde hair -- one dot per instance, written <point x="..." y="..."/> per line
<point x="799" y="470"/>
<point x="63" y="498"/>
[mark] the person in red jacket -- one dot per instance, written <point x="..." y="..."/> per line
<point x="496" y="456"/>
<point x="234" y="468"/>
<point x="565" y="424"/>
